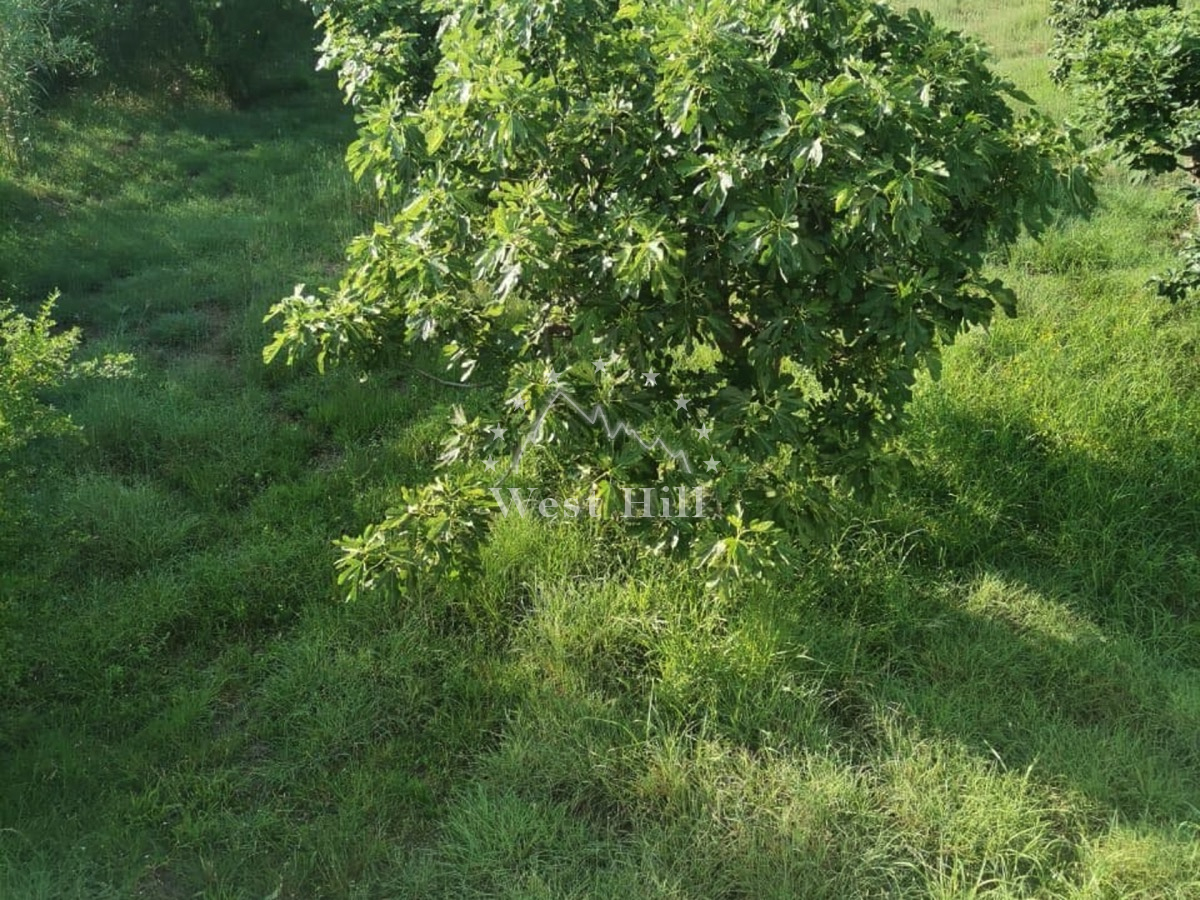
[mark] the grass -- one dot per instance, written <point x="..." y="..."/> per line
<point x="991" y="687"/>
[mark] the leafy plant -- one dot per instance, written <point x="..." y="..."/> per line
<point x="224" y="44"/>
<point x="33" y="360"/>
<point x="31" y="50"/>
<point x="1138" y="72"/>
<point x="783" y="208"/>
<point x="1070" y="20"/>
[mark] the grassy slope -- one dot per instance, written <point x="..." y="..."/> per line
<point x="993" y="687"/>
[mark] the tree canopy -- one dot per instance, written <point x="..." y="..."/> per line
<point x="786" y="207"/>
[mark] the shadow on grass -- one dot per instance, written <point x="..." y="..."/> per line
<point x="1113" y="535"/>
<point x="995" y="686"/>
<point x="1036" y="603"/>
<point x="128" y="207"/>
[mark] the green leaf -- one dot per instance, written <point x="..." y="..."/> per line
<point x="778" y="212"/>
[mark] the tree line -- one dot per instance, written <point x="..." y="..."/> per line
<point x="231" y="46"/>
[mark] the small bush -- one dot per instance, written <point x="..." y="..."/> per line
<point x="32" y="361"/>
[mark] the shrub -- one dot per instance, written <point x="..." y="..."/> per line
<point x="1138" y="74"/>
<point x="784" y="208"/>
<point x="31" y="51"/>
<point x="228" y="44"/>
<point x="33" y="360"/>
<point x="1070" y="20"/>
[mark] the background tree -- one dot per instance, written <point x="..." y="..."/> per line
<point x="235" y="46"/>
<point x="783" y="208"/>
<point x="1138" y="73"/>
<point x="242" y="48"/>
<point x="1070" y="20"/>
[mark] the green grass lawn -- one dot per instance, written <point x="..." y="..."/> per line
<point x="990" y="686"/>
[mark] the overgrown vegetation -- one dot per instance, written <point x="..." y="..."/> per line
<point x="784" y="213"/>
<point x="246" y="49"/>
<point x="32" y="51"/>
<point x="990" y="687"/>
<point x="1138" y="69"/>
<point x="243" y="49"/>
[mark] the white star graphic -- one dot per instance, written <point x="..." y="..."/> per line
<point x="650" y="378"/>
<point x="682" y="402"/>
<point x="711" y="464"/>
<point x="705" y="431"/>
<point x="498" y="432"/>
<point x="556" y="378"/>
<point x="490" y="463"/>
<point x="599" y="365"/>
<point x="517" y="402"/>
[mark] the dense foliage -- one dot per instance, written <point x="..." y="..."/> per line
<point x="378" y="48"/>
<point x="32" y="50"/>
<point x="1070" y="20"/>
<point x="33" y="360"/>
<point x="234" y="46"/>
<point x="1138" y="73"/>
<point x="783" y="207"/>
<point x="229" y="43"/>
